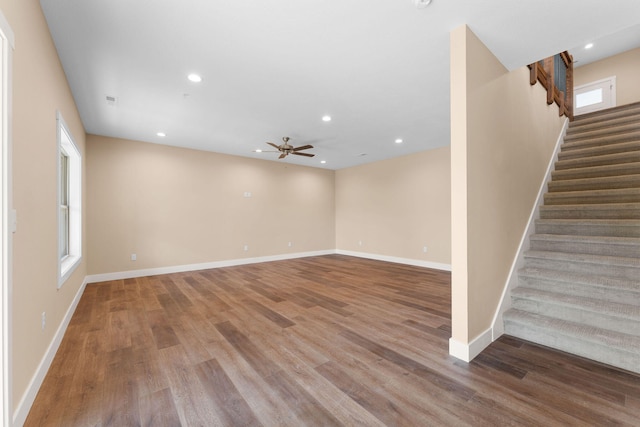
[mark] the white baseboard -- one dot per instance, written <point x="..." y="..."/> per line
<point x="497" y="325"/>
<point x="408" y="261"/>
<point x="94" y="278"/>
<point x="23" y="408"/>
<point x="467" y="352"/>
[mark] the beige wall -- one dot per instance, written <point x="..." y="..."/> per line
<point x="172" y="206"/>
<point x="625" y="66"/>
<point x="396" y="207"/>
<point x="39" y="90"/>
<point x="502" y="138"/>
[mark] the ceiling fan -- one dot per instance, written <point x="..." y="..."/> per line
<point x="285" y="149"/>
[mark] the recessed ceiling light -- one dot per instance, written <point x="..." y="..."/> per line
<point x="258" y="151"/>
<point x="398" y="141"/>
<point x="588" y="46"/>
<point x="194" y="78"/>
<point x="323" y="161"/>
<point x="326" y="118"/>
<point x="161" y="134"/>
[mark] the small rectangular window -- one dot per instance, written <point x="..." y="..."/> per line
<point x="69" y="203"/>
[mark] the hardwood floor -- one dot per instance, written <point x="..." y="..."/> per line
<point x="319" y="341"/>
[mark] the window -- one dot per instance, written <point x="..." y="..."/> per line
<point x="595" y="96"/>
<point x="69" y="203"/>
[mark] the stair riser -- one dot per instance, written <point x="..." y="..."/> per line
<point x="615" y="170"/>
<point x="611" y="159"/>
<point x="627" y="195"/>
<point x="588" y="230"/>
<point x="627" y="272"/>
<point x="579" y="315"/>
<point x="625" y="126"/>
<point x="600" y="150"/>
<point x="603" y="119"/>
<point x="609" y="183"/>
<point x="604" y="293"/>
<point x="590" y="141"/>
<point x="586" y="248"/>
<point x="601" y="353"/>
<point x="606" y="212"/>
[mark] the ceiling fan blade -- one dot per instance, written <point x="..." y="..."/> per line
<point x="302" y="154"/>
<point x="283" y="155"/>
<point x="273" y="145"/>
<point x="303" y="147"/>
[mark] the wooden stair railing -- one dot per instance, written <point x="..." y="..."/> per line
<point x="555" y="74"/>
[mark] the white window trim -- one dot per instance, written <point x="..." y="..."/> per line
<point x="67" y="145"/>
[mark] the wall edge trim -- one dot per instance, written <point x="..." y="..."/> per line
<point x="467" y="352"/>
<point x="29" y="396"/>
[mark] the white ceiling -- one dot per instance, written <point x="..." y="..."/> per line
<point x="273" y="68"/>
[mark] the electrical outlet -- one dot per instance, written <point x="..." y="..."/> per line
<point x="424" y="249"/>
<point x="134" y="257"/>
<point x="44" y="319"/>
<point x="290" y="244"/>
<point x="246" y="248"/>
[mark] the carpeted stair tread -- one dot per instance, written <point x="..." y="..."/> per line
<point x="590" y="227"/>
<point x="591" y="211"/>
<point x="605" y="116"/>
<point x="595" y="245"/>
<point x="601" y="139"/>
<point x="608" y="308"/>
<point x="555" y="331"/>
<point x="629" y="124"/>
<point x="580" y="151"/>
<point x="599" y="183"/>
<point x="578" y="126"/>
<point x="603" y="160"/>
<point x="614" y="195"/>
<point x="610" y="261"/>
<point x="581" y="171"/>
<point x="610" y="284"/>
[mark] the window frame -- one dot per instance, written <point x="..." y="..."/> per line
<point x="69" y="233"/>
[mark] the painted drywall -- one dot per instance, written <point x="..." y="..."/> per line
<point x="173" y="206"/>
<point x="502" y="137"/>
<point x="625" y="66"/>
<point x="39" y="91"/>
<point x="396" y="207"/>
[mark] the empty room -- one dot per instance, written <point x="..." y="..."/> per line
<point x="286" y="213"/>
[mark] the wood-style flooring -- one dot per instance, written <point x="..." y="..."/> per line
<point x="320" y="341"/>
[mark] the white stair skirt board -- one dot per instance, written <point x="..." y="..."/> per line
<point x="497" y="325"/>
<point x="466" y="352"/>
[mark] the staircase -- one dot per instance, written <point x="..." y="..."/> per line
<point x="579" y="289"/>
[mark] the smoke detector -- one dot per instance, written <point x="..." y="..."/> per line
<point x="421" y="4"/>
